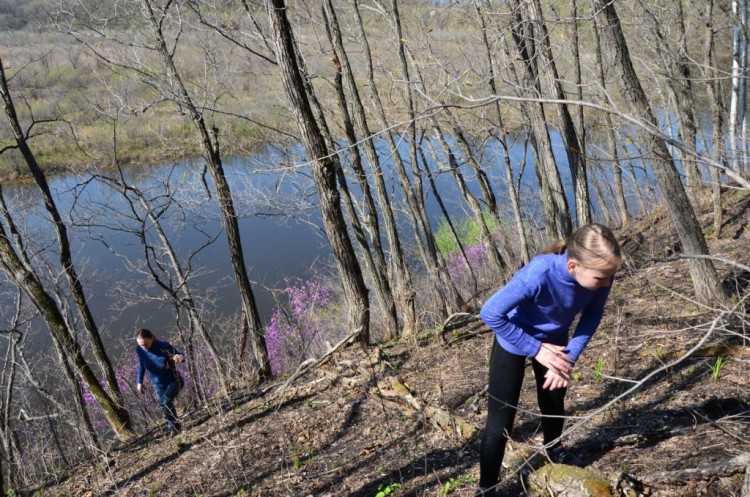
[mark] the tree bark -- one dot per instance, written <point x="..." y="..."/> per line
<point x="415" y="194"/>
<point x="554" y="202"/>
<point x="573" y="148"/>
<point x="713" y="89"/>
<point x="376" y="266"/>
<point x="63" y="242"/>
<point x="706" y="281"/>
<point x="500" y="136"/>
<point x="404" y="289"/>
<point x="622" y="205"/>
<point x="324" y="173"/>
<point x="22" y="276"/>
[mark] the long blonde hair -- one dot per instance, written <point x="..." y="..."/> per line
<point x="593" y="246"/>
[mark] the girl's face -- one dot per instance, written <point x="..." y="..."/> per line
<point x="591" y="279"/>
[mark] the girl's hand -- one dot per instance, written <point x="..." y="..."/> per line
<point x="553" y="358"/>
<point x="553" y="381"/>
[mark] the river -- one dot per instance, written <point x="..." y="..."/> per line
<point x="279" y="224"/>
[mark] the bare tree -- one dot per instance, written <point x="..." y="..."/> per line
<point x="377" y="265"/>
<point x="705" y="279"/>
<point x="675" y="64"/>
<point x="63" y="242"/>
<point x="573" y="149"/>
<point x="22" y="273"/>
<point x="324" y="172"/>
<point x="554" y="202"/>
<point x="164" y="266"/>
<point x="209" y="139"/>
<point x="500" y="136"/>
<point x="713" y="89"/>
<point x="623" y="213"/>
<point x="737" y="105"/>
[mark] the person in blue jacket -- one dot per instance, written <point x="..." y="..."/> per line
<point x="160" y="359"/>
<point x="531" y="317"/>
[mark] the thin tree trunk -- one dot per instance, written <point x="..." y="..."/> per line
<point x="554" y="202"/>
<point x="679" y="88"/>
<point x="22" y="274"/>
<point x="713" y="89"/>
<point x="63" y="242"/>
<point x="324" y="173"/>
<point x="405" y="294"/>
<point x="737" y="109"/>
<point x="378" y="271"/>
<point x="415" y="193"/>
<point x="620" y="201"/>
<point x="510" y="181"/>
<point x="706" y="281"/>
<point x="581" y="131"/>
<point x="686" y="102"/>
<point x="182" y="296"/>
<point x="573" y="150"/>
<point x="9" y="378"/>
<point x="115" y="414"/>
<point x="211" y="153"/>
<point x="601" y="198"/>
<point x="485" y="235"/>
<point x="446" y="214"/>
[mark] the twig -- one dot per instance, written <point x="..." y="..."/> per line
<point x="309" y="365"/>
<point x="717" y="425"/>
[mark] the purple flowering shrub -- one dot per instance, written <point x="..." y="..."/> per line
<point x="299" y="331"/>
<point x="459" y="271"/>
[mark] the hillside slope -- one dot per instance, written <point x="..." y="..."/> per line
<point x="347" y="428"/>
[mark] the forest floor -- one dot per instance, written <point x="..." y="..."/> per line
<point x="645" y="409"/>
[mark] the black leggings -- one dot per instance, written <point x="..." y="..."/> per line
<point x="506" y="378"/>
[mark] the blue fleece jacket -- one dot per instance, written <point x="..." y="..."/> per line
<point x="158" y="362"/>
<point x="538" y="306"/>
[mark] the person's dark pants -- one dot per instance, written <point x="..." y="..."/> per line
<point x="505" y="381"/>
<point x="165" y="394"/>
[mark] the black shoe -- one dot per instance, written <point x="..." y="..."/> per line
<point x="560" y="455"/>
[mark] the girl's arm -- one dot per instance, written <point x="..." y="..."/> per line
<point x="588" y="323"/>
<point x="495" y="311"/>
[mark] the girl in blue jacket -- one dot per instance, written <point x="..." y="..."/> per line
<point x="531" y="316"/>
<point x="160" y="359"/>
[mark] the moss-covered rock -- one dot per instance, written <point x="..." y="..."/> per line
<point x="559" y="480"/>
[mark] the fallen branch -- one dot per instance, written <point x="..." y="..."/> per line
<point x="727" y="467"/>
<point x="311" y="364"/>
<point x="440" y="418"/>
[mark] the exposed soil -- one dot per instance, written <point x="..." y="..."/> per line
<point x="343" y="430"/>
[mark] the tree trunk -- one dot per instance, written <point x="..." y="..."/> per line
<point x="63" y="242"/>
<point x="405" y="294"/>
<point x="500" y="136"/>
<point x="573" y="149"/>
<point x="737" y="109"/>
<point x="415" y="194"/>
<point x="22" y="276"/>
<point x="324" y="173"/>
<point x="554" y="202"/>
<point x="211" y="153"/>
<point x="620" y="201"/>
<point x="378" y="270"/>
<point x="706" y="281"/>
<point x="713" y="90"/>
